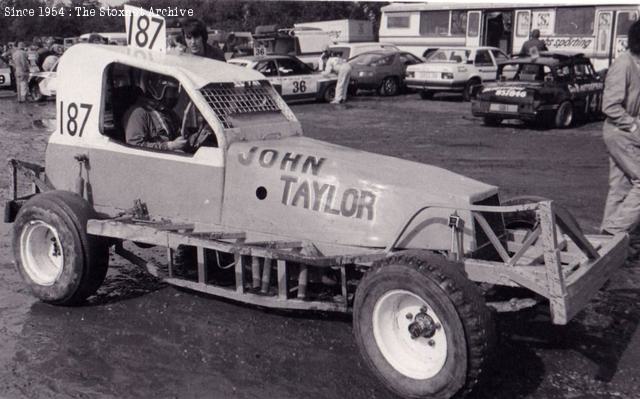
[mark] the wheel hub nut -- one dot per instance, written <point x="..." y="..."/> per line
<point x="422" y="326"/>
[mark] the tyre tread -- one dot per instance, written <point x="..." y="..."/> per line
<point x="469" y="303"/>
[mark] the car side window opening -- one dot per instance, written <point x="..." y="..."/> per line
<point x="531" y="72"/>
<point x="499" y="55"/>
<point x="126" y="88"/>
<point x="267" y="68"/>
<point x="583" y="71"/>
<point x="483" y="58"/>
<point x="289" y="67"/>
<point x="408" y="59"/>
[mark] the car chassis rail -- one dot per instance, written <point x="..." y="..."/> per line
<point x="554" y="259"/>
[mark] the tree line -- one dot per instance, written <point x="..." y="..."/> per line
<point x="226" y="15"/>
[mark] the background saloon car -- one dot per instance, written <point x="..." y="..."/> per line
<point x="455" y="69"/>
<point x="550" y="88"/>
<point x="292" y="78"/>
<point x="381" y="70"/>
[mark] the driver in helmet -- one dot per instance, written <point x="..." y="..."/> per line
<point x="151" y="121"/>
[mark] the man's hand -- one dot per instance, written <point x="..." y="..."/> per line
<point x="178" y="144"/>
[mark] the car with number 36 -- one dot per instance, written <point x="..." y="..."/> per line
<point x="293" y="79"/>
<point x="551" y="89"/>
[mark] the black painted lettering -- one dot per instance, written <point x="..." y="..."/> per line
<point x="349" y="203"/>
<point x="289" y="159"/>
<point x="245" y="159"/>
<point x="268" y="161"/>
<point x="301" y="193"/>
<point x="367" y="202"/>
<point x="287" y="187"/>
<point x="328" y="205"/>
<point x="318" y="193"/>
<point x="314" y="164"/>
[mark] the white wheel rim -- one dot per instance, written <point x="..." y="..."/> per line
<point x="41" y="252"/>
<point x="419" y="358"/>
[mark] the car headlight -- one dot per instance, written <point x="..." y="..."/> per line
<point x="411" y="74"/>
<point x="447" y="75"/>
<point x="365" y="74"/>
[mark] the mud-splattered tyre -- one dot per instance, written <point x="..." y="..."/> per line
<point x="564" y="115"/>
<point x="55" y="256"/>
<point x="329" y="93"/>
<point x="422" y="327"/>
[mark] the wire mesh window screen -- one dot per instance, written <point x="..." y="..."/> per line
<point x="227" y="99"/>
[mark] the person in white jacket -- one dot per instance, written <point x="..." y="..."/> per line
<point x="343" y="69"/>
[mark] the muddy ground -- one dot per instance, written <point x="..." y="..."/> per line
<point x="138" y="338"/>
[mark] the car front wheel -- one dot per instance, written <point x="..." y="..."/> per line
<point x="422" y="326"/>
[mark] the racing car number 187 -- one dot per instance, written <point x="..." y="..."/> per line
<point x="71" y="120"/>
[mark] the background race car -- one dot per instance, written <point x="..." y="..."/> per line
<point x="292" y="78"/>
<point x="5" y="75"/>
<point x="549" y="89"/>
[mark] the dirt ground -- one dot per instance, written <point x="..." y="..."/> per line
<point x="138" y="338"/>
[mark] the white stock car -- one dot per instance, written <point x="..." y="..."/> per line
<point x="292" y="78"/>
<point x="406" y="242"/>
<point x="454" y="69"/>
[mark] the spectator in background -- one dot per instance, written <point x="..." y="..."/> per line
<point x="44" y="52"/>
<point x="343" y="69"/>
<point x="21" y="71"/>
<point x="533" y="42"/>
<point x="195" y="37"/>
<point x="231" y="45"/>
<point x="621" y="133"/>
<point x="52" y="59"/>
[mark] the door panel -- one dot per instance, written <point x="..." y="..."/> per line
<point x="474" y="27"/>
<point x="172" y="185"/>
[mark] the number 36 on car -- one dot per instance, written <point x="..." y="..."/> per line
<point x="292" y="78"/>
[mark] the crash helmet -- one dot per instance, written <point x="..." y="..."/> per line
<point x="160" y="87"/>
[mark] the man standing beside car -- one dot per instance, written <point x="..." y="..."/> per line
<point x="343" y="69"/>
<point x="621" y="133"/>
<point x="533" y="42"/>
<point x="21" y="71"/>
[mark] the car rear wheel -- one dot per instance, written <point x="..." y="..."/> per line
<point x="422" y="326"/>
<point x="329" y="93"/>
<point x="564" y="115"/>
<point x="426" y="94"/>
<point x="492" y="120"/>
<point x="389" y="86"/>
<point x="55" y="256"/>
